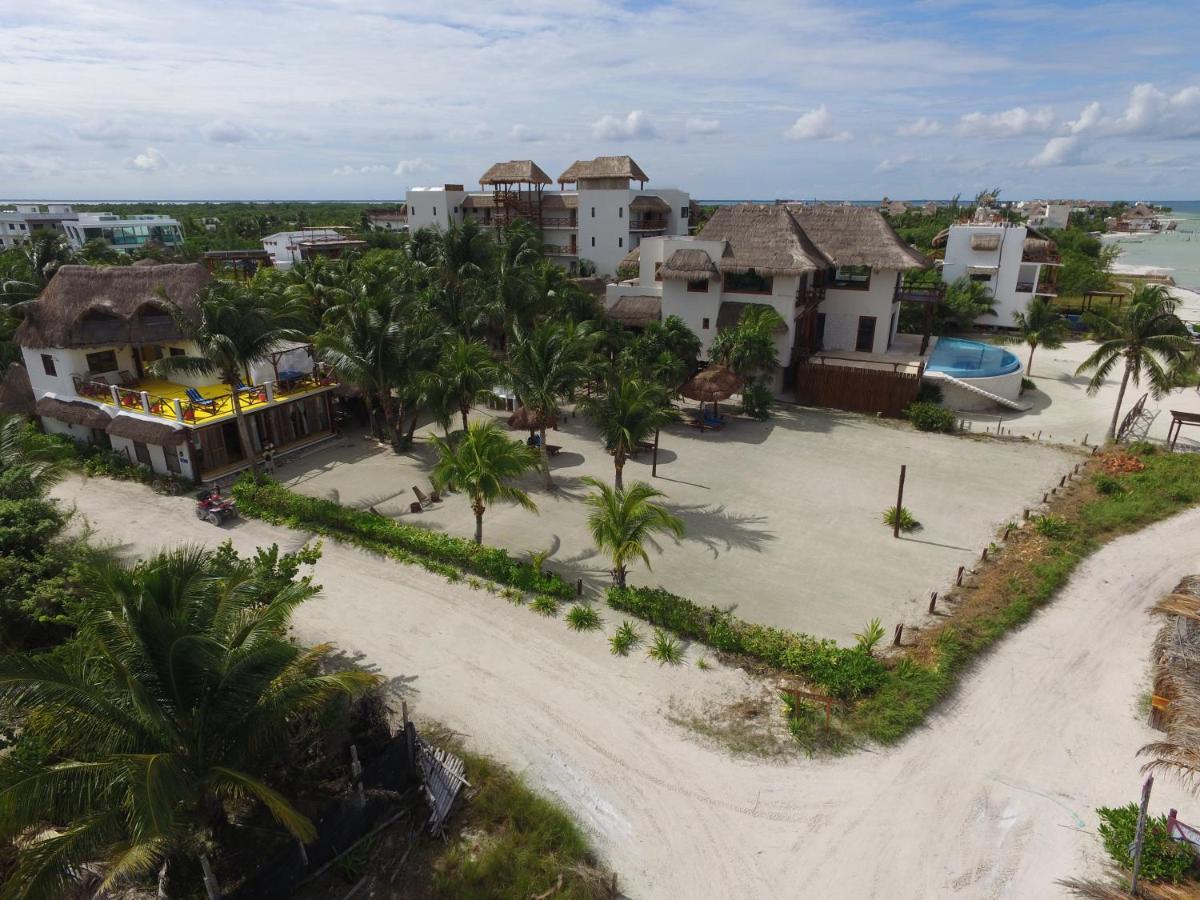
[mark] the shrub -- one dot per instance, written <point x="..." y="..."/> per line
<point x="1163" y="858"/>
<point x="703" y="663"/>
<point x="583" y="617"/>
<point x="871" y="635"/>
<point x="1054" y="527"/>
<point x="756" y="401"/>
<point x="624" y="639"/>
<point x="545" y="605"/>
<point x="665" y="648"/>
<point x="931" y="417"/>
<point x="110" y="464"/>
<point x="448" y="556"/>
<point x="842" y="671"/>
<point x="1106" y="484"/>
<point x="907" y="521"/>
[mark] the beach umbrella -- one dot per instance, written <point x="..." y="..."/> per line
<point x="712" y="385"/>
<point x="525" y="419"/>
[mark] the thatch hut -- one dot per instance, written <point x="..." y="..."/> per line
<point x="16" y="393"/>
<point x="636" y="311"/>
<point x="146" y="432"/>
<point x="690" y="265"/>
<point x="712" y="385"/>
<point x="525" y="419"/>
<point x="515" y="171"/>
<point x="603" y="168"/>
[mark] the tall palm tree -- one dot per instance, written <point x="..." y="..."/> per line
<point x="481" y="462"/>
<point x="235" y="328"/>
<point x="29" y="457"/>
<point x="454" y="263"/>
<point x="468" y="372"/>
<point x="1148" y="338"/>
<point x="38" y="259"/>
<point x="627" y="412"/>
<point x="1040" y="325"/>
<point x="967" y="300"/>
<point x="164" y="724"/>
<point x="623" y="522"/>
<point x="545" y="366"/>
<point x="318" y="284"/>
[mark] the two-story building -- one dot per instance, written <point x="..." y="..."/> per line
<point x="388" y="219"/>
<point x="89" y="343"/>
<point x="124" y="233"/>
<point x="287" y="248"/>
<point x="17" y="225"/>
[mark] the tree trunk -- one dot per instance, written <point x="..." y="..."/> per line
<point x="619" y="576"/>
<point x="243" y="430"/>
<point x="478" y="507"/>
<point x="619" y="466"/>
<point x="389" y="421"/>
<point x="464" y="410"/>
<point x="545" y="454"/>
<point x="1112" y="428"/>
<point x="1029" y="365"/>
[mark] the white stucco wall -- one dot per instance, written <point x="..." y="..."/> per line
<point x="433" y="207"/>
<point x="604" y="227"/>
<point x="1007" y="257"/>
<point x="842" y="309"/>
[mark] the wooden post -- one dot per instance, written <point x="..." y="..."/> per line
<point x="1045" y="498"/>
<point x="210" y="881"/>
<point x="932" y="600"/>
<point x="898" y="634"/>
<point x="1007" y="531"/>
<point x="578" y="587"/>
<point x="899" y="506"/>
<point x="1062" y="481"/>
<point x="1140" y="836"/>
<point x="1085" y="437"/>
<point x="958" y="577"/>
<point x="1025" y="514"/>
<point x="983" y="557"/>
<point x="654" y="461"/>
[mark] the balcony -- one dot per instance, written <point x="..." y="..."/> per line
<point x="559" y="222"/>
<point x="171" y="401"/>
<point x="553" y="250"/>
<point x="925" y="287"/>
<point x="648" y="223"/>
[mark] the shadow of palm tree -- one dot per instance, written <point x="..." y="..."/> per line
<point x="718" y="529"/>
<point x="339" y="660"/>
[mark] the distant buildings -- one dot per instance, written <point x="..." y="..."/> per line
<point x="1050" y="215"/>
<point x="388" y="219"/>
<point x="286" y="248"/>
<point x="600" y="220"/>
<point x="26" y="219"/>
<point x="123" y="233"/>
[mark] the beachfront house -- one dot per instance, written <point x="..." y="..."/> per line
<point x="835" y="275"/>
<point x="124" y="234"/>
<point x="601" y="218"/>
<point x="286" y="248"/>
<point x="88" y="343"/>
<point x="1016" y="262"/>
<point x="1050" y="215"/>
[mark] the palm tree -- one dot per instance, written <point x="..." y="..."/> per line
<point x="749" y="348"/>
<point x="29" y="457"/>
<point x="1149" y="338"/>
<point x="481" y="462"/>
<point x="544" y="366"/>
<point x="39" y="258"/>
<point x="967" y="300"/>
<point x="468" y="373"/>
<point x="236" y="328"/>
<point x="167" y="719"/>
<point x="623" y="522"/>
<point x="1040" y="325"/>
<point x="627" y="412"/>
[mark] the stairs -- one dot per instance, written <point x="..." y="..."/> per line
<point x="967" y="386"/>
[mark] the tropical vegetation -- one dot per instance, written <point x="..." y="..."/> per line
<point x="622" y="522"/>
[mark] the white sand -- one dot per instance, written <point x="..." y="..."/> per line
<point x="994" y="798"/>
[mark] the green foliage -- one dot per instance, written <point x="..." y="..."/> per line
<point x="843" y="672"/>
<point x="628" y="411"/>
<point x="1108" y="484"/>
<point x="870" y="636"/>
<point x="545" y="605"/>
<point x="807" y="725"/>
<point x="931" y="417"/>
<point x="930" y="392"/>
<point x="756" y="401"/>
<point x="110" y="464"/>
<point x="437" y="552"/>
<point x="583" y="617"/>
<point x="703" y="664"/>
<point x="1028" y="384"/>
<point x="966" y="301"/>
<point x="1054" y="527"/>
<point x="622" y="522"/>
<point x="624" y="639"/>
<point x="1163" y="857"/>
<point x="907" y="521"/>
<point x="665" y="648"/>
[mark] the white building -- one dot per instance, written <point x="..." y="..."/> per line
<point x="88" y="344"/>
<point x="1016" y="262"/>
<point x="1050" y="215"/>
<point x="601" y="220"/>
<point x="17" y="224"/>
<point x="124" y="233"/>
<point x="388" y="219"/>
<point x="833" y="273"/>
<point x="286" y="248"/>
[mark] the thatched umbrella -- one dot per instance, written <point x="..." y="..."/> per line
<point x="712" y="385"/>
<point x="525" y="419"/>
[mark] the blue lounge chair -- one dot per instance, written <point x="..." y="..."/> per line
<point x="197" y="398"/>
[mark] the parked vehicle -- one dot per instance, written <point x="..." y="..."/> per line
<point x="213" y="508"/>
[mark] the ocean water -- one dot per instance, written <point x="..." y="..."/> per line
<point x="1177" y="252"/>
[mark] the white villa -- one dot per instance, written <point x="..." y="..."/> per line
<point x="88" y="342"/>
<point x="1016" y="262"/>
<point x="601" y="220"/>
<point x="833" y="273"/>
<point x="26" y="219"/>
<point x="286" y="248"/>
<point x="123" y="233"/>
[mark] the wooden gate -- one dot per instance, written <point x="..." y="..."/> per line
<point x="856" y="388"/>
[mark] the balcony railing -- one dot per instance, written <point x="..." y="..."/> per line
<point x="558" y="222"/>
<point x="647" y="225"/>
<point x="553" y="250"/>
<point x="926" y="287"/>
<point x="810" y="297"/>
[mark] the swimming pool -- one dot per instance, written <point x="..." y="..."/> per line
<point x="971" y="359"/>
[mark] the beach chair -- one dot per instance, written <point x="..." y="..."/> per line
<point x="198" y="399"/>
<point x="553" y="449"/>
<point x="424" y="500"/>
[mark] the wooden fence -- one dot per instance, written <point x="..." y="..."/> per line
<point x="856" y="389"/>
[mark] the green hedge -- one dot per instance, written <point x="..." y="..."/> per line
<point x="845" y="672"/>
<point x="927" y="416"/>
<point x="435" y="551"/>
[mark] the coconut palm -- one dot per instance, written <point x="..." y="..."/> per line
<point x="235" y="328"/>
<point x="627" y="412"/>
<point x="749" y="348"/>
<point x="319" y="284"/>
<point x="162" y="724"/>
<point x="1040" y="325"/>
<point x="623" y="522"/>
<point x="545" y="366"/>
<point x="966" y="301"/>
<point x="29" y="457"/>
<point x="468" y="373"/>
<point x="480" y="463"/>
<point x="1148" y="338"/>
<point x="39" y="258"/>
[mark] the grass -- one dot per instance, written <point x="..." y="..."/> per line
<point x="666" y="648"/>
<point x="545" y="605"/>
<point x="583" y="617"/>
<point x="908" y="522"/>
<point x="624" y="639"/>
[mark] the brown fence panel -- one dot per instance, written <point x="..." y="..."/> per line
<point x="856" y="389"/>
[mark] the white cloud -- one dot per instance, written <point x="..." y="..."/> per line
<point x="523" y="134"/>
<point x="816" y="125"/>
<point x="702" y="126"/>
<point x="892" y="164"/>
<point x="634" y="126"/>
<point x="1059" y="151"/>
<point x="1014" y="122"/>
<point x="222" y="131"/>
<point x="1154" y="112"/>
<point x="922" y="127"/>
<point x="412" y="167"/>
<point x="149" y="160"/>
<point x="345" y="171"/>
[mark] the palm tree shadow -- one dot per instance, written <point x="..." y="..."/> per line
<point x="718" y="529"/>
<point x="399" y="686"/>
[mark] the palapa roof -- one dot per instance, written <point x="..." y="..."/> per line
<point x="603" y="167"/>
<point x="764" y="238"/>
<point x="636" y="311"/>
<point x="1039" y="250"/>
<point x="73" y="412"/>
<point x="524" y="419"/>
<point x="689" y="265"/>
<point x="84" y="305"/>
<point x="633" y="257"/>
<point x="560" y="201"/>
<point x="857" y="236"/>
<point x="712" y="384"/>
<point x="146" y="432"/>
<point x="515" y="171"/>
<point x="649" y="203"/>
<point x="16" y="393"/>
<point x="730" y="313"/>
<point x="479" y="201"/>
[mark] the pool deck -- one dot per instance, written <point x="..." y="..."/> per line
<point x="904" y="354"/>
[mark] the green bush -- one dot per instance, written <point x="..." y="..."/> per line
<point x="926" y="416"/>
<point x="110" y="464"/>
<point x="545" y="605"/>
<point x="1028" y="384"/>
<point x="624" y="639"/>
<point x="1163" y="858"/>
<point x="1054" y="527"/>
<point x="1107" y="484"/>
<point x="665" y="648"/>
<point x="842" y="671"/>
<point x="756" y="401"/>
<point x="448" y="556"/>
<point x="583" y="617"/>
<point x="930" y="392"/>
<point x="908" y="522"/>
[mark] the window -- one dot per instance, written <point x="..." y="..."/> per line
<point x="866" y="334"/>
<point x="593" y="240"/>
<point x="748" y="283"/>
<point x="177" y="351"/>
<point x="699" y="286"/>
<point x="48" y="365"/>
<point x="103" y="361"/>
<point x="435" y="210"/>
<point x="855" y="278"/>
<point x="142" y="452"/>
<point x="620" y="212"/>
<point x="593" y="212"/>
<point x="620" y="242"/>
<point x="684" y="212"/>
<point x="658" y="271"/>
<point x="704" y="324"/>
<point x="982" y="276"/>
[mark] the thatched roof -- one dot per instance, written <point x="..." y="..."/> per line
<point x="556" y="201"/>
<point x="146" y="432"/>
<point x="764" y="238"/>
<point x="84" y="306"/>
<point x="857" y="236"/>
<point x="515" y="171"/>
<point x="524" y="419"/>
<point x="939" y="239"/>
<point x="73" y="412"/>
<point x="712" y="385"/>
<point x="633" y="257"/>
<point x="603" y="167"/>
<point x="591" y="284"/>
<point x="479" y="201"/>
<point x="1176" y="656"/>
<point x="644" y="203"/>
<point x="16" y="394"/>
<point x="730" y="313"/>
<point x="1039" y="250"/>
<point x="689" y="265"/>
<point x="636" y="312"/>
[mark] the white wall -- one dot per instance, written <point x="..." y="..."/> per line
<point x="1003" y="285"/>
<point x="604" y="228"/>
<point x="433" y="207"/>
<point x="75" y="432"/>
<point x="842" y="309"/>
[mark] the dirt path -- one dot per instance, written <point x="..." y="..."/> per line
<point x="994" y="798"/>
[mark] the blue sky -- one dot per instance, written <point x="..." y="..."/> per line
<point x="316" y="99"/>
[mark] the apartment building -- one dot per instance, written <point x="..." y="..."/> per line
<point x="26" y="219"/>
<point x="124" y="233"/>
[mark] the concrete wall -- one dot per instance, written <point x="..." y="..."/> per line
<point x="1003" y="284"/>
<point x="604" y="228"/>
<point x="1006" y="386"/>
<point x="158" y="456"/>
<point x="434" y="207"/>
<point x="69" y="362"/>
<point x="842" y="309"/>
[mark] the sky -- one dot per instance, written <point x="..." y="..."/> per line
<point x="360" y="99"/>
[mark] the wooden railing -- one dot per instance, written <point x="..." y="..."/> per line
<point x="809" y="298"/>
<point x="559" y="222"/>
<point x="924" y="288"/>
<point x="647" y="224"/>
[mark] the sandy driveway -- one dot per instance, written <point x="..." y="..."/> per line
<point x="993" y="799"/>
